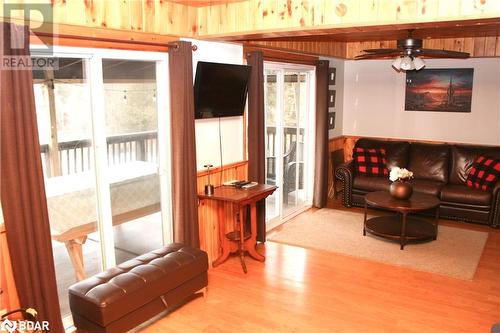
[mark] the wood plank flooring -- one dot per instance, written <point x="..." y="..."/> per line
<point x="300" y="290"/>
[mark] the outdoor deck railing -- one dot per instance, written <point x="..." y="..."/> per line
<point x="289" y="137"/>
<point x="75" y="156"/>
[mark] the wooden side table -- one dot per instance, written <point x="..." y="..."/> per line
<point x="401" y="226"/>
<point x="239" y="240"/>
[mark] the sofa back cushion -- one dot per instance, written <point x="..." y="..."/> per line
<point x="462" y="158"/>
<point x="396" y="152"/>
<point x="429" y="161"/>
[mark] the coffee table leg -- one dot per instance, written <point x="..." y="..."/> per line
<point x="436" y="222"/>
<point x="403" y="232"/>
<point x="364" y="222"/>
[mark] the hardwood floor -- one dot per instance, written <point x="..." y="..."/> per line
<point x="300" y="290"/>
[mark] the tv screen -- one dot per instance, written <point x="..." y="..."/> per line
<point x="220" y="90"/>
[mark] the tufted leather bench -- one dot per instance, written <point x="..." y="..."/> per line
<point x="127" y="295"/>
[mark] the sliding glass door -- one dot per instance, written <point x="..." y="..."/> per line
<point x="105" y="145"/>
<point x="288" y="134"/>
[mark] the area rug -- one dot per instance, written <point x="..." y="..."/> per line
<point x="455" y="253"/>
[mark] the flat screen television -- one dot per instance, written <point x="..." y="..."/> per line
<point x="220" y="90"/>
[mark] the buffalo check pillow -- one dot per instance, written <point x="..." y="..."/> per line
<point x="370" y="162"/>
<point x="484" y="173"/>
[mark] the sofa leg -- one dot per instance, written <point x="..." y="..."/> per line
<point x="204" y="292"/>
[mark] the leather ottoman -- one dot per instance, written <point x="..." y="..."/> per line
<point x="127" y="295"/>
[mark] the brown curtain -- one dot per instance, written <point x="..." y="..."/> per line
<point x="22" y="188"/>
<point x="184" y="196"/>
<point x="321" y="148"/>
<point x="256" y="134"/>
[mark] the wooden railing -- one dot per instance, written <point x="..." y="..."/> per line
<point x="75" y="156"/>
<point x="289" y="137"/>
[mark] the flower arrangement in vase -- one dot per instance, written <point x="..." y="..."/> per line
<point x="400" y="187"/>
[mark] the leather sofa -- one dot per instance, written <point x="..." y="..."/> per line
<point x="439" y="170"/>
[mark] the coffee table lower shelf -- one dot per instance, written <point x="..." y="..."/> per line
<point x="417" y="229"/>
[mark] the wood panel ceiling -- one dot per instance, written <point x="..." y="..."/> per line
<point x="204" y="3"/>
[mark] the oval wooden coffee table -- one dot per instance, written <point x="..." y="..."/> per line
<point x="401" y="226"/>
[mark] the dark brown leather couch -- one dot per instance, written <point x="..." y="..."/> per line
<point x="439" y="169"/>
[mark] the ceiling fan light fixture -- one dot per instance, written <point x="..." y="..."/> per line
<point x="397" y="63"/>
<point x="407" y="64"/>
<point x="419" y="63"/>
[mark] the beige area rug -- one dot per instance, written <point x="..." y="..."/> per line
<point x="455" y="253"/>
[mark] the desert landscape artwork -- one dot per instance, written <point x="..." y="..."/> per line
<point x="443" y="89"/>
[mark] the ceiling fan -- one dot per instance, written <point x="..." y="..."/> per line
<point x="408" y="53"/>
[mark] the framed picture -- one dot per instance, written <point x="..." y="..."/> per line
<point x="442" y="90"/>
<point x="332" y="73"/>
<point x="331" y="98"/>
<point x="331" y="120"/>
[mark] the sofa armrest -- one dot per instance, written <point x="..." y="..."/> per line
<point x="495" y="207"/>
<point x="345" y="173"/>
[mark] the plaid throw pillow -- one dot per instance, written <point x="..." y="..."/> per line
<point x="484" y="173"/>
<point x="370" y="162"/>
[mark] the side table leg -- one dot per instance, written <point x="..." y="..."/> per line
<point x="223" y="241"/>
<point x="241" y="224"/>
<point x="403" y="232"/>
<point x="251" y="243"/>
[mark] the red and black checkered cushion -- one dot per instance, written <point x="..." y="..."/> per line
<point x="370" y="162"/>
<point x="484" y="173"/>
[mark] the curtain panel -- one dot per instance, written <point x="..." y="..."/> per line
<point x="256" y="134"/>
<point x="22" y="188"/>
<point x="184" y="176"/>
<point x="320" y="191"/>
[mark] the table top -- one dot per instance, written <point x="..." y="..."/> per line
<point x="417" y="202"/>
<point x="238" y="195"/>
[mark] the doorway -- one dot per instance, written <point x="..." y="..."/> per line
<point x="289" y="102"/>
<point x="104" y="142"/>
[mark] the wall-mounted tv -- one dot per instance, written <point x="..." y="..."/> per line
<point x="220" y="90"/>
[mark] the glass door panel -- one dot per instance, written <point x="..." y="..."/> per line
<point x="272" y="141"/>
<point x="287" y="103"/>
<point x="132" y="154"/>
<point x="65" y="134"/>
<point x="293" y="130"/>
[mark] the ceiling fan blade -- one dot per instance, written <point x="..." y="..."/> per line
<point x="377" y="55"/>
<point x="441" y="53"/>
<point x="380" y="50"/>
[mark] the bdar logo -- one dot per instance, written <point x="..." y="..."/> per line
<point x="9" y="326"/>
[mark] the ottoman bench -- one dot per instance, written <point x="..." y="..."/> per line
<point x="129" y="294"/>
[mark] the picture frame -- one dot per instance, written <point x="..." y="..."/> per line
<point x="331" y="98"/>
<point x="331" y="120"/>
<point x="332" y="74"/>
<point x="439" y="90"/>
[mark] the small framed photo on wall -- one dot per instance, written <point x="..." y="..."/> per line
<point x="331" y="120"/>
<point x="331" y="98"/>
<point x="332" y="73"/>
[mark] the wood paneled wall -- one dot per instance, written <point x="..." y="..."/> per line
<point x="332" y="49"/>
<point x="288" y="17"/>
<point x="207" y="210"/>
<point x="476" y="46"/>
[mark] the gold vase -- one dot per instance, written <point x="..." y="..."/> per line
<point x="401" y="190"/>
